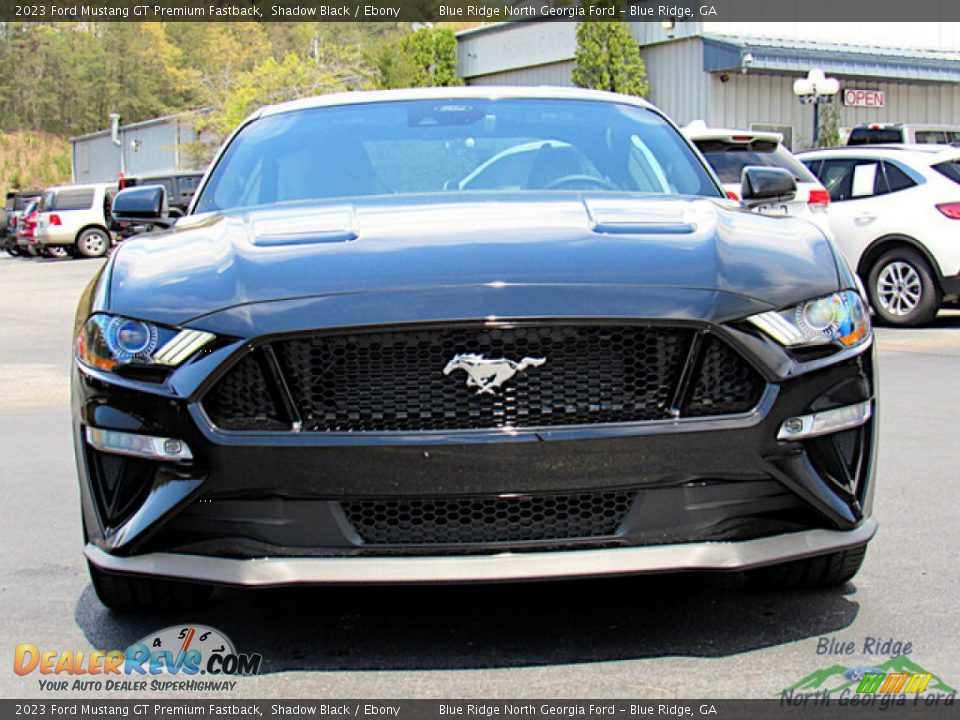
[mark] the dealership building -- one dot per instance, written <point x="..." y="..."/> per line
<point x="741" y="75"/>
<point x="160" y="145"/>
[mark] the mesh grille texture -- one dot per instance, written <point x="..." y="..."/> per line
<point x="457" y="521"/>
<point x="383" y="381"/>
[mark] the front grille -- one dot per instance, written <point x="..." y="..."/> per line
<point x="393" y="380"/>
<point x="460" y="521"/>
<point x="725" y="384"/>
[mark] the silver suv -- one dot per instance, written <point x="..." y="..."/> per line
<point x="76" y="217"/>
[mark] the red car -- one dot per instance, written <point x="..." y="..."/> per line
<point x="27" y="234"/>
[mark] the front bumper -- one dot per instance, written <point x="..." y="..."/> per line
<point x="502" y="567"/>
<point x="712" y="493"/>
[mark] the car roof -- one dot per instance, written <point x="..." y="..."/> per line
<point x="900" y="126"/>
<point x="928" y="154"/>
<point x="171" y="174"/>
<point x="699" y="131"/>
<point x="85" y="186"/>
<point x="467" y="92"/>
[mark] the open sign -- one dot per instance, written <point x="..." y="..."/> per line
<point x="853" y="97"/>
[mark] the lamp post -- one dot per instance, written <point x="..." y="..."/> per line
<point x="816" y="88"/>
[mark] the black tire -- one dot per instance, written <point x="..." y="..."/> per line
<point x="93" y="242"/>
<point x="820" y="571"/>
<point x="903" y="289"/>
<point x="135" y="594"/>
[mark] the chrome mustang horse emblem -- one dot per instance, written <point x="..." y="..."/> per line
<point x="487" y="374"/>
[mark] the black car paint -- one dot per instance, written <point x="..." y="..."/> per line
<point x="724" y="266"/>
<point x="437" y="242"/>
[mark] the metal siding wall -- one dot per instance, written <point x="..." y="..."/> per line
<point x="919" y="35"/>
<point x="647" y="33"/>
<point x="678" y="85"/>
<point x="157" y="148"/>
<point x="756" y="98"/>
<point x="553" y="74"/>
<point x="102" y="160"/>
<point x="97" y="159"/>
<point x="521" y="45"/>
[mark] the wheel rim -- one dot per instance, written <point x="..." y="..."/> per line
<point x="94" y="244"/>
<point x="899" y="288"/>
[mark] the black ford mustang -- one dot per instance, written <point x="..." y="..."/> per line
<point x="465" y="335"/>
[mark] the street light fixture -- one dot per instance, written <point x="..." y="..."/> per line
<point x="816" y="89"/>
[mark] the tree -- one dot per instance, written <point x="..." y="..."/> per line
<point x="828" y="134"/>
<point x="424" y="58"/>
<point x="608" y="58"/>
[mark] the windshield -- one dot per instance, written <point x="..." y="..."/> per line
<point x="730" y="158"/>
<point x="435" y="146"/>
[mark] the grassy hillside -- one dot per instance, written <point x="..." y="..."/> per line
<point x="33" y="160"/>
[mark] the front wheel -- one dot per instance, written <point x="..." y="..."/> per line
<point x="135" y="594"/>
<point x="821" y="571"/>
<point x="902" y="288"/>
<point x="93" y="243"/>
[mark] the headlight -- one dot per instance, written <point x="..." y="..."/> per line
<point x="840" y="318"/>
<point x="107" y="342"/>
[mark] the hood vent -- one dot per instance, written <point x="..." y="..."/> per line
<point x="644" y="217"/>
<point x="329" y="225"/>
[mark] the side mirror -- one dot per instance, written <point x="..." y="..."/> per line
<point x="766" y="183"/>
<point x="142" y="204"/>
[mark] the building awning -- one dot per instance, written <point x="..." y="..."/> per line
<point x="727" y="54"/>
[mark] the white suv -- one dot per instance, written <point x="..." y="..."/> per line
<point x="76" y="217"/>
<point x="895" y="215"/>
<point x="730" y="151"/>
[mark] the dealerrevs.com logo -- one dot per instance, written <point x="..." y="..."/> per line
<point x="169" y="660"/>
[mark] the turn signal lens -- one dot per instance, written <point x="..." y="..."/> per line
<point x="825" y="421"/>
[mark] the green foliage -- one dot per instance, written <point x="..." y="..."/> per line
<point x="33" y="160"/>
<point x="608" y="58"/>
<point x="69" y="77"/>
<point x="828" y="134"/>
<point x="424" y="58"/>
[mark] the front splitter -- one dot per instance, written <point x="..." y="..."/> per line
<point x="502" y="567"/>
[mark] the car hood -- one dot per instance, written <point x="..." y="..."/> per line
<point x="213" y="262"/>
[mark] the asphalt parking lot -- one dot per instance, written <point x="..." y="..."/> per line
<point x="655" y="637"/>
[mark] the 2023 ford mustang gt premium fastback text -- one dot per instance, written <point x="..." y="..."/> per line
<point x="465" y="335"/>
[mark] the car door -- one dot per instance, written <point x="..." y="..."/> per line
<point x="859" y="213"/>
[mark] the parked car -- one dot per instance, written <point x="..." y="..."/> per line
<point x="16" y="202"/>
<point x="76" y="218"/>
<point x="180" y="187"/>
<point x="340" y="368"/>
<point x="730" y="151"/>
<point x="891" y="133"/>
<point x="894" y="214"/>
<point x="27" y="229"/>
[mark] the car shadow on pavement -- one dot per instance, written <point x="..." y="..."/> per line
<point x="493" y="626"/>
